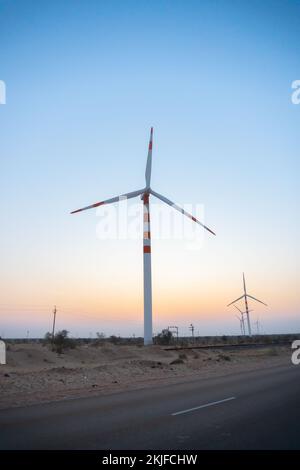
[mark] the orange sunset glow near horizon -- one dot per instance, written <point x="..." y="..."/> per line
<point x="99" y="289"/>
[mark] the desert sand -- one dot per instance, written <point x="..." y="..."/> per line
<point x="35" y="374"/>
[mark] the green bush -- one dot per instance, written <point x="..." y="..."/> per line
<point x="60" y="342"/>
<point x="165" y="337"/>
<point x="99" y="341"/>
<point x="115" y="339"/>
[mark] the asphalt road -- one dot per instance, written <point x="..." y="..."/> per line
<point x="249" y="410"/>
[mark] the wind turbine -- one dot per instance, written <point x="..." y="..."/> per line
<point x="242" y="320"/>
<point x="245" y="296"/>
<point x="145" y="196"/>
<point x="257" y="323"/>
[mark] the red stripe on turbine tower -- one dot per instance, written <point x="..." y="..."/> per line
<point x="146" y="201"/>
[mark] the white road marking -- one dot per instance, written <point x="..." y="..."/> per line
<point x="202" y="406"/>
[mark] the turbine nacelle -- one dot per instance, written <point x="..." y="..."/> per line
<point x="146" y="193"/>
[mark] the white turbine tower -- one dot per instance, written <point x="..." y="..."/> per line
<point x="245" y="296"/>
<point x="145" y="194"/>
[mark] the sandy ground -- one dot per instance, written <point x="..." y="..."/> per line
<point x="34" y="374"/>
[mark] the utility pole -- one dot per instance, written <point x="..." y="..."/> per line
<point x="191" y="327"/>
<point x="54" y="319"/>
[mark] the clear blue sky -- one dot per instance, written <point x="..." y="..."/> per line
<point x="85" y="81"/>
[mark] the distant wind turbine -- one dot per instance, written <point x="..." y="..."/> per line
<point x="242" y="320"/>
<point x="245" y="296"/>
<point x="257" y="323"/>
<point x="145" y="194"/>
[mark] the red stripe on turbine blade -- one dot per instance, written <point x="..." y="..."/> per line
<point x="147" y="249"/>
<point x="151" y="136"/>
<point x="195" y="220"/>
<point x="89" y="207"/>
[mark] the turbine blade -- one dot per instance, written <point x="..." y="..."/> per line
<point x="149" y="160"/>
<point x="242" y="296"/>
<point x="238" y="309"/>
<point x="244" y="282"/>
<point x="170" y="203"/>
<point x="110" y="201"/>
<point x="251" y="297"/>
